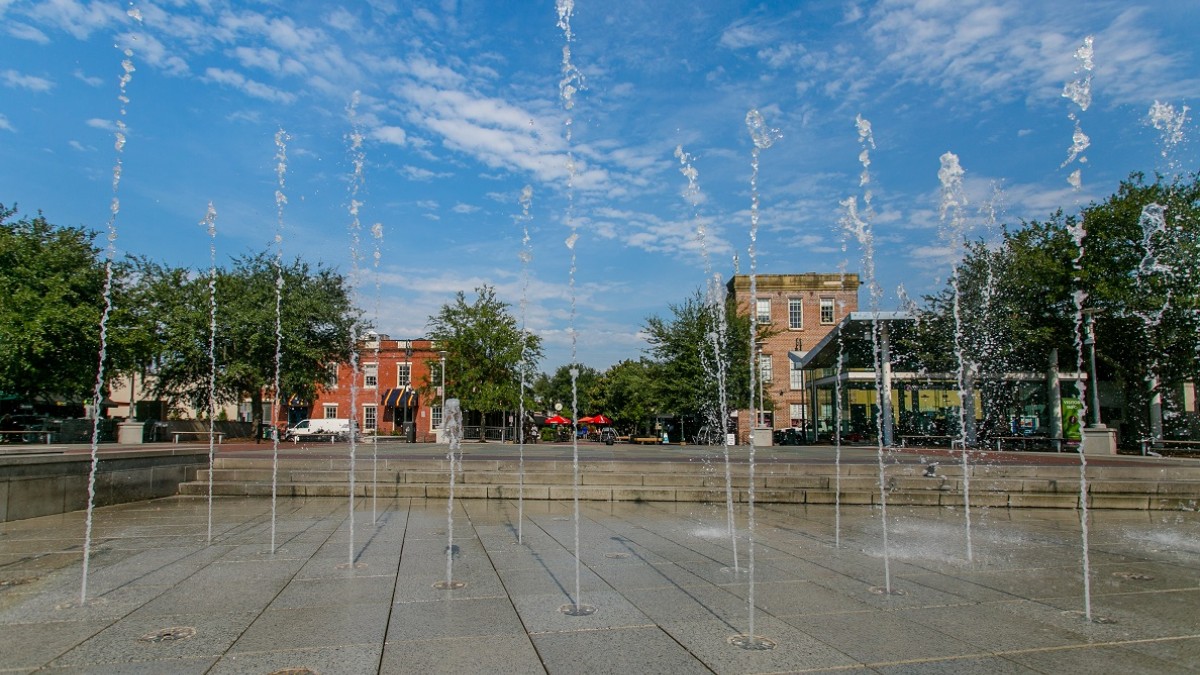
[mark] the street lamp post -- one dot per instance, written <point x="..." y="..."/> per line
<point x="442" y="353"/>
<point x="760" y="415"/>
<point x="1093" y="380"/>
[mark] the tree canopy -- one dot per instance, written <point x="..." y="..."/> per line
<point x="52" y="283"/>
<point x="1018" y="297"/>
<point x="315" y="317"/>
<point x="682" y="346"/>
<point x="485" y="351"/>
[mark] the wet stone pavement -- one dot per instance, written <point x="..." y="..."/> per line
<point x="161" y="599"/>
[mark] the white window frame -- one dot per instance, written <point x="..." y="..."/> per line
<point x="828" y="311"/>
<point x="795" y="314"/>
<point x="762" y="310"/>
<point x="330" y="411"/>
<point x="370" y="373"/>
<point x="403" y="373"/>
<point x="435" y="417"/>
<point x="765" y="368"/>
<point x="795" y="376"/>
<point x="370" y="417"/>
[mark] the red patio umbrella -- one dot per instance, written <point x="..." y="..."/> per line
<point x="587" y="420"/>
<point x="557" y="419"/>
<point x="600" y="419"/>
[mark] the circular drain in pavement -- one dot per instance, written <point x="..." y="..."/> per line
<point x="354" y="566"/>
<point x="561" y="518"/>
<point x="1133" y="576"/>
<point x="444" y="585"/>
<point x="755" y="643"/>
<point x="173" y="634"/>
<point x="733" y="570"/>
<point x="616" y="556"/>
<point x="882" y="590"/>
<point x="572" y="609"/>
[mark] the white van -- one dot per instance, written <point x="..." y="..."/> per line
<point x="321" y="429"/>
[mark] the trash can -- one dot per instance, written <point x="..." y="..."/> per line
<point x="410" y="432"/>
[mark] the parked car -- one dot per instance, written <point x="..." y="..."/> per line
<point x="320" y="429"/>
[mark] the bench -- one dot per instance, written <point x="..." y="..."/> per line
<point x="219" y="434"/>
<point x="928" y="440"/>
<point x="1024" y="442"/>
<point x="645" y="440"/>
<point x="1147" y="444"/>
<point x="26" y="435"/>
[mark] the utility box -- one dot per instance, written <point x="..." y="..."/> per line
<point x="761" y="438"/>
<point x="130" y="432"/>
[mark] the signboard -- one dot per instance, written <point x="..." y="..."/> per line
<point x="1072" y="416"/>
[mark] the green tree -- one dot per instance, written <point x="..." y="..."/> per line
<point x="686" y="366"/>
<point x="625" y="392"/>
<point x="556" y="388"/>
<point x="485" y="351"/>
<point x="146" y="296"/>
<point x="1018" y="299"/>
<point x="52" y="281"/>
<point x="315" y="317"/>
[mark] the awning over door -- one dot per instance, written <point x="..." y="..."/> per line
<point x="400" y="397"/>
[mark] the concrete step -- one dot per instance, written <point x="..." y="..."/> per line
<point x="1116" y="487"/>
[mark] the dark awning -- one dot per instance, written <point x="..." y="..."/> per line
<point x="400" y="397"/>
<point x="408" y="399"/>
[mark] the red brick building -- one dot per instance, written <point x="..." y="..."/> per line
<point x="389" y="399"/>
<point x="800" y="309"/>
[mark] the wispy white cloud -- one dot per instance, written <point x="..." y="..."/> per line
<point x="89" y="80"/>
<point x="80" y="19"/>
<point x="23" y="31"/>
<point x="146" y="47"/>
<point x="249" y="87"/>
<point x="103" y="124"/>
<point x="14" y="80"/>
<point x="389" y="134"/>
<point x="6" y="125"/>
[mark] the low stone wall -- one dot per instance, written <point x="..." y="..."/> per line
<point x="42" y="485"/>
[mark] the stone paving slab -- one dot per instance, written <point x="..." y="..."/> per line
<point x="336" y="596"/>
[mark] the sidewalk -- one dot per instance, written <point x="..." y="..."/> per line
<point x="333" y="598"/>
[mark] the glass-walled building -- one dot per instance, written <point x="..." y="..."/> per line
<point x="850" y="368"/>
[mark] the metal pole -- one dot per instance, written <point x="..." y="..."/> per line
<point x="1093" y="380"/>
<point x="443" y="383"/>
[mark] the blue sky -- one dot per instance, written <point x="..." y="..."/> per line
<point x="459" y="109"/>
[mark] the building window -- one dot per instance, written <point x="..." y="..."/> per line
<point x="330" y="411"/>
<point x="435" y="417"/>
<point x="331" y="375"/>
<point x="370" y="375"/>
<point x="764" y="367"/>
<point x="763" y="309"/>
<point x="799" y="413"/>
<point x="826" y="310"/>
<point x="369" y="418"/>
<point x="795" y="376"/>
<point x="403" y="374"/>
<point x="795" y="314"/>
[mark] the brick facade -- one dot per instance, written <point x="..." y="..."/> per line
<point x="795" y="303"/>
<point x="385" y="367"/>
